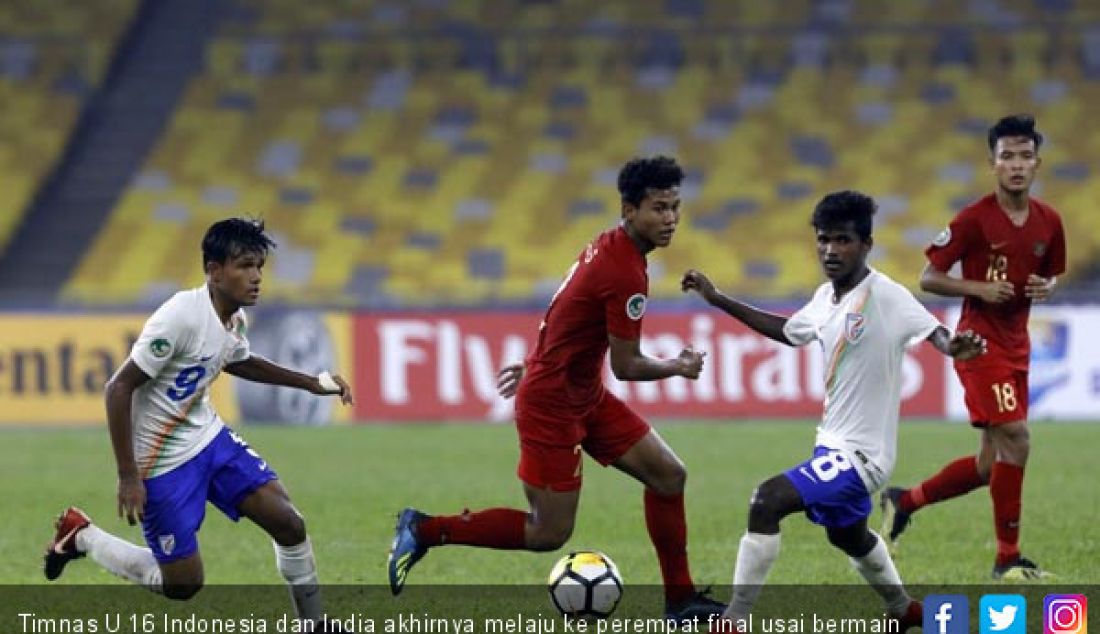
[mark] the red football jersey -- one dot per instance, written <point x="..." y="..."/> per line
<point x="603" y="293"/>
<point x="992" y="248"/>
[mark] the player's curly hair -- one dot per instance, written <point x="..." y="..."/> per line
<point x="839" y="208"/>
<point x="642" y="174"/>
<point x="233" y="237"/>
<point x="1015" y="125"/>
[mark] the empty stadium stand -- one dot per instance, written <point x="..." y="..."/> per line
<point x="51" y="57"/>
<point x="423" y="152"/>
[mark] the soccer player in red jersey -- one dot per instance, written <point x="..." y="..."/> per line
<point x="563" y="408"/>
<point x="1012" y="247"/>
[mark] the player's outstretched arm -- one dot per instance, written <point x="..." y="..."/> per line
<point x="933" y="280"/>
<point x="629" y="364"/>
<point x="259" y="370"/>
<point x="768" y="324"/>
<point x="119" y="394"/>
<point x="963" y="346"/>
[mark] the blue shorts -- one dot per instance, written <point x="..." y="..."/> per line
<point x="224" y="473"/>
<point x="832" y="490"/>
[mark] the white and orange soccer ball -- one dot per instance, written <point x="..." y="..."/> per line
<point x="585" y="584"/>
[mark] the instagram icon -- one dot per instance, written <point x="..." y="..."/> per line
<point x="1065" y="614"/>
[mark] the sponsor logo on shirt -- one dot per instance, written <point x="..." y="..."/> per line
<point x="1039" y="249"/>
<point x="943" y="238"/>
<point x="635" y="306"/>
<point x="854" y="325"/>
<point x="160" y="348"/>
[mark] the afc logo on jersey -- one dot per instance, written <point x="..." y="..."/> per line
<point x="635" y="306"/>
<point x="854" y="326"/>
<point x="160" y="348"/>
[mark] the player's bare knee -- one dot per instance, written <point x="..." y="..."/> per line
<point x="182" y="579"/>
<point x="1020" y="441"/>
<point x="762" y="519"/>
<point x="764" y="515"/>
<point x="291" y="530"/>
<point x="852" y="544"/>
<point x="1012" y="444"/>
<point x="673" y="479"/>
<point x="548" y="538"/>
<point x="838" y="541"/>
<point x="985" y="469"/>
<point x="182" y="591"/>
<point x="180" y="584"/>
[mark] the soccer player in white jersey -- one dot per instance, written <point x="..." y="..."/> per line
<point x="864" y="321"/>
<point x="173" y="451"/>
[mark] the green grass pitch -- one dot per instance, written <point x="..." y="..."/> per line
<point x="350" y="481"/>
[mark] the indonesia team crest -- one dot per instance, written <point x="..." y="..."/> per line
<point x="854" y="325"/>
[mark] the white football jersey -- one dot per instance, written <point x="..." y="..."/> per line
<point x="864" y="337"/>
<point x="183" y="348"/>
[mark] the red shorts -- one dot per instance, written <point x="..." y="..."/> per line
<point x="995" y="395"/>
<point x="550" y="443"/>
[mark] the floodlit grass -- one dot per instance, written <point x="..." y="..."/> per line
<point x="350" y="481"/>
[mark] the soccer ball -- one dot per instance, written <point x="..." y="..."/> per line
<point x="585" y="584"/>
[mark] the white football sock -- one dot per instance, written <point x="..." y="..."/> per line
<point x="118" y="556"/>
<point x="879" y="571"/>
<point x="755" y="557"/>
<point x="298" y="567"/>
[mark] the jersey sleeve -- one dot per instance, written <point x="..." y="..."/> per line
<point x="241" y="349"/>
<point x="1055" y="262"/>
<point x="912" y="321"/>
<point x="952" y="243"/>
<point x="165" y="334"/>
<point x="801" y="329"/>
<point x="625" y="303"/>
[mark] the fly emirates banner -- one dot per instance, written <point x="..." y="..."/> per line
<point x="433" y="366"/>
<point x="442" y="366"/>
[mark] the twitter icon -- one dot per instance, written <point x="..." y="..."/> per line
<point x="1002" y="614"/>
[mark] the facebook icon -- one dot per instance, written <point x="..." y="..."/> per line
<point x="946" y="614"/>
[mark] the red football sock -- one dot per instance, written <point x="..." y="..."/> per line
<point x="664" y="518"/>
<point x="491" y="528"/>
<point x="957" y="478"/>
<point x="1006" y="486"/>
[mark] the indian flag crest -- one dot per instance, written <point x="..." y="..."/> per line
<point x="854" y="325"/>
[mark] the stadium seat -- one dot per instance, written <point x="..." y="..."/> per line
<point x="52" y="55"/>
<point x="475" y="167"/>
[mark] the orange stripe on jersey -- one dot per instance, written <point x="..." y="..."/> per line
<point x="841" y="347"/>
<point x="838" y="351"/>
<point x="158" y="445"/>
